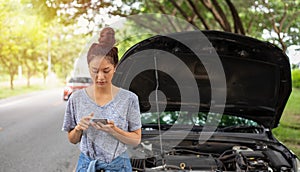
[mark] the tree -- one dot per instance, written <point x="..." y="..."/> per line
<point x="280" y="19"/>
<point x="25" y="33"/>
<point x="24" y="38"/>
<point x="8" y="61"/>
<point x="32" y="44"/>
<point x="250" y="18"/>
<point x="40" y="8"/>
<point x="9" y="41"/>
<point x="65" y="48"/>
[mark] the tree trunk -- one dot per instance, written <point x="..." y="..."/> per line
<point x="196" y="11"/>
<point x="11" y="81"/>
<point x="218" y="13"/>
<point x="238" y="26"/>
<point x="28" y="80"/>
<point x="183" y="13"/>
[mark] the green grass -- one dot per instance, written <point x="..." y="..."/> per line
<point x="18" y="90"/>
<point x="21" y="87"/>
<point x="288" y="131"/>
<point x="291" y="114"/>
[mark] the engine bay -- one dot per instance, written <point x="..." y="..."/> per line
<point x="243" y="158"/>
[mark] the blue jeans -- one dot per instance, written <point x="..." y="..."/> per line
<point x="119" y="164"/>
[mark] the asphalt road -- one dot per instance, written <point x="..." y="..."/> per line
<point x="30" y="134"/>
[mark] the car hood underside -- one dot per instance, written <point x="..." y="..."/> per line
<point x="226" y="72"/>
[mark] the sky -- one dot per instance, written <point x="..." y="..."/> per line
<point x="293" y="53"/>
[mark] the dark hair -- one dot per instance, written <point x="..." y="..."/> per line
<point x="97" y="50"/>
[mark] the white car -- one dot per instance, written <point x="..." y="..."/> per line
<point x="74" y="84"/>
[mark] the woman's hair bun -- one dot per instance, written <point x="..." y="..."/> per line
<point x="115" y="49"/>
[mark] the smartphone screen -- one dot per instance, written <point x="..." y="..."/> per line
<point x="103" y="121"/>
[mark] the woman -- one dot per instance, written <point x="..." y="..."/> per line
<point x="103" y="146"/>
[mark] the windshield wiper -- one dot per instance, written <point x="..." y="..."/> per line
<point x="242" y="128"/>
<point x="195" y="128"/>
<point x="155" y="126"/>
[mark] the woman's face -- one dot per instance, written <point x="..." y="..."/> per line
<point x="101" y="71"/>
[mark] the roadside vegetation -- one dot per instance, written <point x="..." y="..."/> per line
<point x="288" y="131"/>
<point x="6" y="92"/>
<point x="21" y="87"/>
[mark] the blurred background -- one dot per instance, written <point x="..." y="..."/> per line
<point x="43" y="44"/>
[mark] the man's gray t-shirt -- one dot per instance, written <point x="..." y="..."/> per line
<point x="123" y="110"/>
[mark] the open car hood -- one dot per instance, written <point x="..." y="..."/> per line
<point x="235" y="74"/>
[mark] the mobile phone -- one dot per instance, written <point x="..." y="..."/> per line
<point x="102" y="120"/>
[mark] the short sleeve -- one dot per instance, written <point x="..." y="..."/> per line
<point x="69" y="118"/>
<point x="134" y="116"/>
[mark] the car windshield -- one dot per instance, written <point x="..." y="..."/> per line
<point x="80" y="80"/>
<point x="224" y="122"/>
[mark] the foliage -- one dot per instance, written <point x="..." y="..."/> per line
<point x="280" y="20"/>
<point x="129" y="36"/>
<point x="293" y="104"/>
<point x="296" y="78"/>
<point x="289" y="130"/>
<point x="290" y="137"/>
<point x="277" y="21"/>
<point x="294" y="66"/>
<point x="291" y="114"/>
<point x="34" y="30"/>
<point x="64" y="48"/>
<point x="9" y="40"/>
<point x="29" y="37"/>
<point x="41" y="8"/>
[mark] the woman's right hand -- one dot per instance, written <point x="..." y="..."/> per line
<point x="84" y="122"/>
